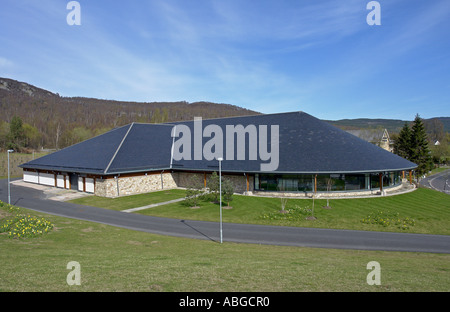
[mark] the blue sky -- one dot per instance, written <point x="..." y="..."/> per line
<point x="317" y="56"/>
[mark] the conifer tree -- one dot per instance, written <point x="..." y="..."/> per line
<point x="403" y="143"/>
<point x="420" y="153"/>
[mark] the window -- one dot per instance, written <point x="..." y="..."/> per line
<point x="325" y="182"/>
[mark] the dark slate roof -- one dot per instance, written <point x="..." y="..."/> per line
<point x="146" y="147"/>
<point x="131" y="148"/>
<point x="306" y="145"/>
<point x="90" y="156"/>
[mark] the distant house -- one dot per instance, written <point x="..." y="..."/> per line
<point x="308" y="154"/>
<point x="375" y="136"/>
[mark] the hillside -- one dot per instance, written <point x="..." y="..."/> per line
<point x="54" y="121"/>
<point x="62" y="121"/>
<point x="392" y="125"/>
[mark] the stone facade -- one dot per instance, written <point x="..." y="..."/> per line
<point x="186" y="179"/>
<point x="144" y="183"/>
<point x="138" y="184"/>
<point x="131" y="185"/>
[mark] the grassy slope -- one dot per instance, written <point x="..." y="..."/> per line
<point x="115" y="259"/>
<point x="132" y="201"/>
<point x="430" y="209"/>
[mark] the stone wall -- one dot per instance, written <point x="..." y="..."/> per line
<point x="187" y="179"/>
<point x="113" y="187"/>
<point x="152" y="182"/>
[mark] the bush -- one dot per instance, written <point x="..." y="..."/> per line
<point x="213" y="186"/>
<point x="193" y="192"/>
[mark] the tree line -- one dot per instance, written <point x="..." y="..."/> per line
<point x="33" y="119"/>
<point x="51" y="121"/>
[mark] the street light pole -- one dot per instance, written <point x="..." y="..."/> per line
<point x="9" y="187"/>
<point x="220" y="196"/>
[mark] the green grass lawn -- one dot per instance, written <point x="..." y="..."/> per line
<point x="132" y="201"/>
<point x="429" y="209"/>
<point x="116" y="259"/>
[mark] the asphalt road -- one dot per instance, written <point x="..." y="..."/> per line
<point x="439" y="182"/>
<point x="241" y="233"/>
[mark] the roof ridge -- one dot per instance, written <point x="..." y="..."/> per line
<point x="118" y="148"/>
<point x="230" y="117"/>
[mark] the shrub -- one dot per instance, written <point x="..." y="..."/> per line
<point x="227" y="191"/>
<point x="193" y="192"/>
<point x="213" y="186"/>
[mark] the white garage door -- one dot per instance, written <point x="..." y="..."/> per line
<point x="32" y="177"/>
<point x="60" y="181"/>
<point x="80" y="183"/>
<point x="89" y="185"/>
<point x="47" y="179"/>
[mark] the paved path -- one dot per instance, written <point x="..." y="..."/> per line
<point x="153" y="205"/>
<point x="35" y="199"/>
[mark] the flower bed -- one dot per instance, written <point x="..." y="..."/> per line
<point x="386" y="218"/>
<point x="20" y="225"/>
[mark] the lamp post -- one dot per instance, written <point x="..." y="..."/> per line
<point x="9" y="187"/>
<point x="220" y="195"/>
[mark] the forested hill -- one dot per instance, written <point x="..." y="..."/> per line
<point x="52" y="121"/>
<point x="62" y="121"/>
<point x="392" y="125"/>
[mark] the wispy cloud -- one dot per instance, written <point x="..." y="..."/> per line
<point x="5" y="63"/>
<point x="263" y="55"/>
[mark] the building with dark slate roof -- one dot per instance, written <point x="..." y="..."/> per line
<point x="262" y="154"/>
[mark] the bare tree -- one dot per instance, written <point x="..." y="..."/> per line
<point x="330" y="183"/>
<point x="283" y="198"/>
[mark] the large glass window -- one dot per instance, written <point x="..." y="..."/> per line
<point x="374" y="181"/>
<point x="325" y="182"/>
<point x="268" y="182"/>
<point x="287" y="183"/>
<point x="355" y="182"/>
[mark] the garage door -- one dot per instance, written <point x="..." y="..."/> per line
<point x="60" y="181"/>
<point x="89" y="185"/>
<point x="29" y="176"/>
<point x="47" y="179"/>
